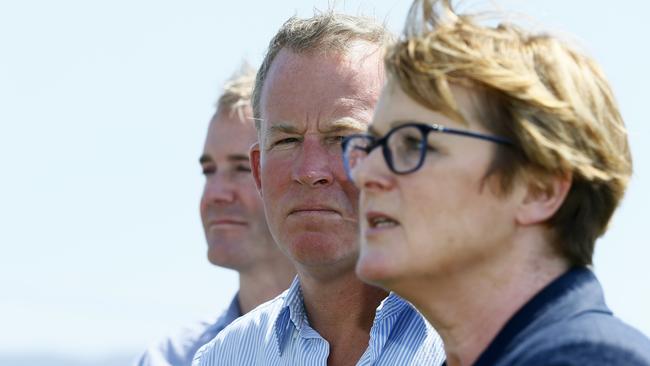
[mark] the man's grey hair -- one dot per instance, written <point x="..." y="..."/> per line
<point x="325" y="31"/>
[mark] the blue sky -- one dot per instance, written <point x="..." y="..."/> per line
<point x="103" y="115"/>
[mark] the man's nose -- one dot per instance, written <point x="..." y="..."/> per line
<point x="219" y="189"/>
<point x="313" y="166"/>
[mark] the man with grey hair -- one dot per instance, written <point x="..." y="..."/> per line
<point x="319" y="82"/>
<point x="234" y="223"/>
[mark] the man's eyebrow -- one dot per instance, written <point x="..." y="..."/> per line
<point x="238" y="157"/>
<point x="204" y="159"/>
<point x="279" y="129"/>
<point x="282" y="128"/>
<point x="345" y="124"/>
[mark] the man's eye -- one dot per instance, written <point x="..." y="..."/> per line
<point x="335" y="139"/>
<point x="243" y="168"/>
<point x="208" y="170"/>
<point x="286" y="141"/>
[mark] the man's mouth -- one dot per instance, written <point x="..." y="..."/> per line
<point x="227" y="222"/>
<point x="313" y="210"/>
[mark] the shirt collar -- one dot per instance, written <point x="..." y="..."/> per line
<point x="577" y="289"/>
<point x="387" y="314"/>
<point x="291" y="313"/>
<point x="389" y="307"/>
<point x="234" y="311"/>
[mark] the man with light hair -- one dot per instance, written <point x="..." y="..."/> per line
<point x="319" y="82"/>
<point x="234" y="223"/>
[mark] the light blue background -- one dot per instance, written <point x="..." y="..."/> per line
<point x="103" y="111"/>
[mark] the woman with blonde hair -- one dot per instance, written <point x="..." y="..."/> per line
<point x="495" y="159"/>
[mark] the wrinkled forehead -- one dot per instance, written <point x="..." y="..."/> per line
<point x="314" y="126"/>
<point x="322" y="86"/>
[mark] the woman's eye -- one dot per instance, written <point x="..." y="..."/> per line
<point x="431" y="149"/>
<point x="412" y="143"/>
<point x="415" y="144"/>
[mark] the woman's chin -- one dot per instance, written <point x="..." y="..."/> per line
<point x="375" y="269"/>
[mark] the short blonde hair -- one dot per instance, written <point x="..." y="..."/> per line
<point x="237" y="91"/>
<point x="551" y="100"/>
<point x="325" y="31"/>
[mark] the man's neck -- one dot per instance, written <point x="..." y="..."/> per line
<point x="260" y="285"/>
<point x="341" y="310"/>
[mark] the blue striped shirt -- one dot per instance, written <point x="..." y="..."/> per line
<point x="278" y="333"/>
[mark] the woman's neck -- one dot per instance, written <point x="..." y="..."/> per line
<point x="469" y="308"/>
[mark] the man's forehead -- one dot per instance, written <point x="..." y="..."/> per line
<point x="355" y="54"/>
<point x="229" y="135"/>
<point x="319" y="79"/>
<point x="238" y="115"/>
<point x="321" y="92"/>
<point x="346" y="123"/>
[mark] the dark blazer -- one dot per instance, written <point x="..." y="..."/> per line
<point x="567" y="323"/>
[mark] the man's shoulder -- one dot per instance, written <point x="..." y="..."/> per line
<point x="178" y="349"/>
<point x="256" y="320"/>
<point x="242" y="339"/>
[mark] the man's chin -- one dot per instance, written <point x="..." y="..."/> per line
<point x="226" y="238"/>
<point x="226" y="231"/>
<point x="311" y="251"/>
<point x="226" y="253"/>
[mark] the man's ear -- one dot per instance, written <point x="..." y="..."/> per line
<point x="543" y="197"/>
<point x="254" y="158"/>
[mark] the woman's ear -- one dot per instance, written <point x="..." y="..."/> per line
<point x="543" y="197"/>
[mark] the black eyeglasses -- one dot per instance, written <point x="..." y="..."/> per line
<point x="404" y="147"/>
